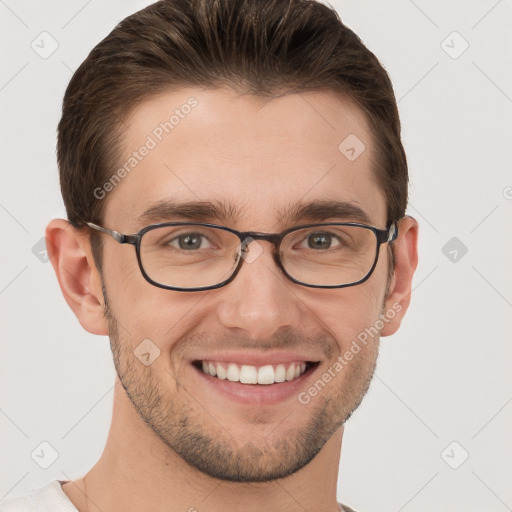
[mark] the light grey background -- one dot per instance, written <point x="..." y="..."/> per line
<point x="444" y="378"/>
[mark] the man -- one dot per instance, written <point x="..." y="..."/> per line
<point x="250" y="152"/>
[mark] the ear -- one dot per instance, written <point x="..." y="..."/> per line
<point x="405" y="252"/>
<point x="69" y="251"/>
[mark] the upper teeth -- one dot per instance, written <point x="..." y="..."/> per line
<point x="247" y="374"/>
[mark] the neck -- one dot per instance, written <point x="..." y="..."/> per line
<point x="137" y="471"/>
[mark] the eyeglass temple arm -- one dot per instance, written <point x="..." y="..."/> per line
<point x="392" y="232"/>
<point x="118" y="237"/>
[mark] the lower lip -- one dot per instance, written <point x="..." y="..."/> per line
<point x="257" y="393"/>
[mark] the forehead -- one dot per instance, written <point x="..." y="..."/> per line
<point x="255" y="159"/>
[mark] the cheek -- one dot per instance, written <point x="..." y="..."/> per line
<point x="348" y="312"/>
<point x="146" y="312"/>
<point x="124" y="283"/>
<point x="135" y="303"/>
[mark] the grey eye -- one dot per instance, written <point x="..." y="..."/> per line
<point x="321" y="240"/>
<point x="189" y="241"/>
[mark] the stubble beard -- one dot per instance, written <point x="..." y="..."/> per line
<point x="208" y="447"/>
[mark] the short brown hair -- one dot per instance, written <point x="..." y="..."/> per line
<point x="261" y="47"/>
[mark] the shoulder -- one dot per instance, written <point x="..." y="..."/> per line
<point x="46" y="498"/>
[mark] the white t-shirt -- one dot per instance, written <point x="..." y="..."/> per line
<point x="51" y="498"/>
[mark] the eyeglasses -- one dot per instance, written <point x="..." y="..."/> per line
<point x="189" y="256"/>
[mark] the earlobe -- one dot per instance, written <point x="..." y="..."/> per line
<point x="406" y="260"/>
<point x="80" y="282"/>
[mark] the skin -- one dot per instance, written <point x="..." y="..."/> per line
<point x="261" y="156"/>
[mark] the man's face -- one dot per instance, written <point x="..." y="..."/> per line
<point x="259" y="159"/>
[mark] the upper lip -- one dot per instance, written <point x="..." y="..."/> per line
<point x="257" y="359"/>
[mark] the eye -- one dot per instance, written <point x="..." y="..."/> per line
<point x="190" y="242"/>
<point x="321" y="240"/>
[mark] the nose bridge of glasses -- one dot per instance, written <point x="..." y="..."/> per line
<point x="251" y="248"/>
<point x="254" y="236"/>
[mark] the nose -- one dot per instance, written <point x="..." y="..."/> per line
<point x="260" y="300"/>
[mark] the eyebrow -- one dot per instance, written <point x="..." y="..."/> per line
<point x="227" y="213"/>
<point x="193" y="211"/>
<point x="325" y="210"/>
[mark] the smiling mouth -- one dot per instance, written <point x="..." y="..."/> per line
<point x="247" y="374"/>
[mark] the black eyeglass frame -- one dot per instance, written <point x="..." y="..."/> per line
<point x="382" y="235"/>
